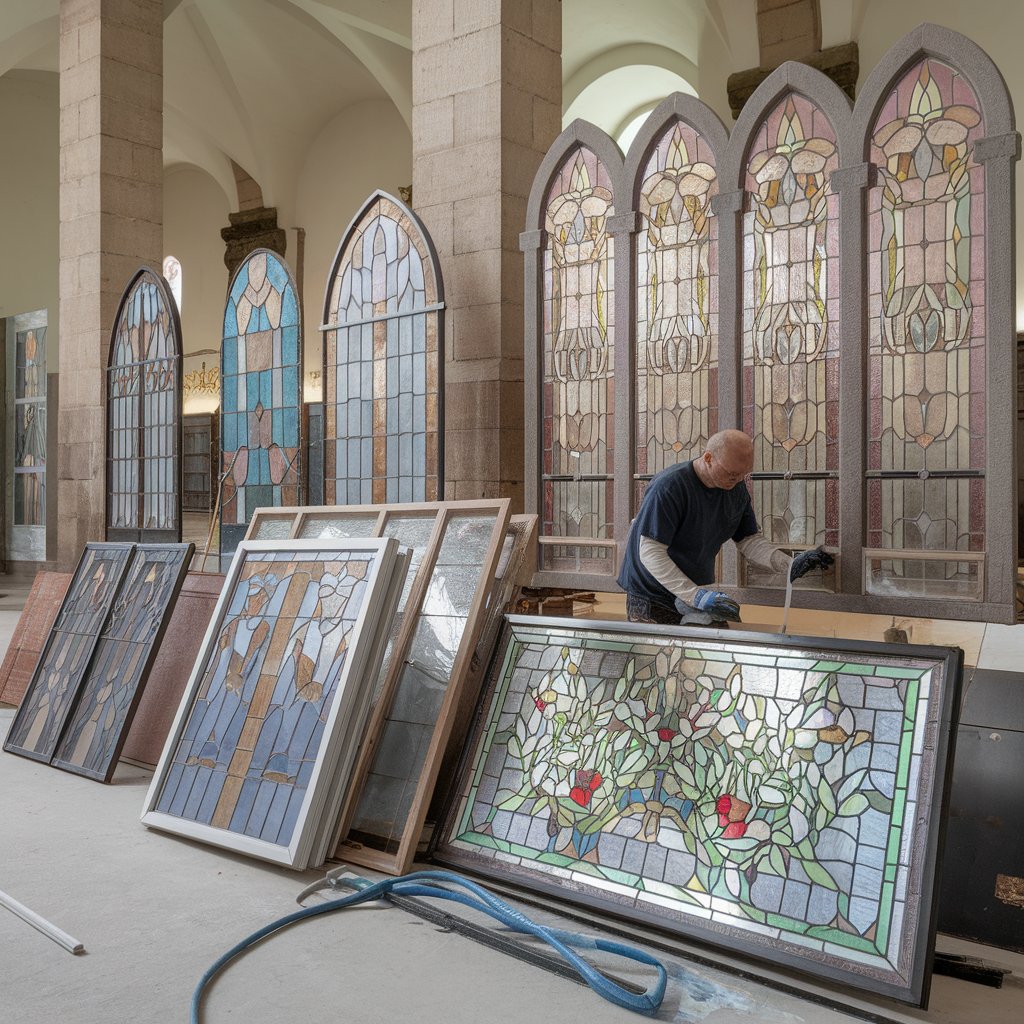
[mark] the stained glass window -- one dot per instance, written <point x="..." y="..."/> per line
<point x="144" y="414"/>
<point x="577" y="380"/>
<point x="926" y="267"/>
<point x="676" y="305"/>
<point x="382" y="366"/>
<point x="261" y="395"/>
<point x="30" y="427"/>
<point x="790" y="326"/>
<point x="62" y="667"/>
<point x="105" y="702"/>
<point x="278" y="691"/>
<point x="783" y="800"/>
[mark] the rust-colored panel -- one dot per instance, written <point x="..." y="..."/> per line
<point x="173" y="666"/>
<point x="30" y="634"/>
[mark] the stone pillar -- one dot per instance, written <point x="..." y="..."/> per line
<point x="487" y="101"/>
<point x="111" y="220"/>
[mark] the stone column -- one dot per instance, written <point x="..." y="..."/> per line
<point x="111" y="220"/>
<point x="487" y="100"/>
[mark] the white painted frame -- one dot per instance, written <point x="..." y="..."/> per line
<point x="337" y="736"/>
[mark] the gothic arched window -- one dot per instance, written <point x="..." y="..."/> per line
<point x="261" y="394"/>
<point x="791" y="340"/>
<point x="144" y="414"/>
<point x="383" y="387"/>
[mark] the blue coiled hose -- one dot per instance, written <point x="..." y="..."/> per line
<point x="426" y="883"/>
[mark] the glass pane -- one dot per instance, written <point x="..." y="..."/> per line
<point x="927" y="320"/>
<point x="578" y="360"/>
<point x="676" y="304"/>
<point x="330" y="525"/>
<point x="382" y="376"/>
<point x="30" y="499"/>
<point x="30" y="364"/>
<point x="273" y="528"/>
<point x="261" y="394"/>
<point x="790" y="334"/>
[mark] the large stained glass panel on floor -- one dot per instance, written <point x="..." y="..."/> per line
<point x="278" y="682"/>
<point x="676" y="305"/>
<point x="926" y="267"/>
<point x="261" y="395"/>
<point x="577" y="380"/>
<point x="144" y="414"/>
<point x="63" y="664"/>
<point x="105" y="704"/>
<point x="791" y="279"/>
<point x="383" y="384"/>
<point x="783" y="797"/>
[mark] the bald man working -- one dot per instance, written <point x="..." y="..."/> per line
<point x="688" y="512"/>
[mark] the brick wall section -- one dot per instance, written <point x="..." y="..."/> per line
<point x="111" y="174"/>
<point x="487" y="95"/>
<point x="787" y="30"/>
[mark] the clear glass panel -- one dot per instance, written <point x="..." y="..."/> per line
<point x="30" y="499"/>
<point x="314" y="527"/>
<point x="889" y="576"/>
<point x="578" y="361"/>
<point x="677" y="303"/>
<point x="382" y="387"/>
<point x="273" y="528"/>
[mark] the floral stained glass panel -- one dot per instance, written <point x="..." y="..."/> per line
<point x="382" y="367"/>
<point x="677" y="304"/>
<point x="261" y="395"/>
<point x="578" y="366"/>
<point x="790" y="325"/>
<point x="142" y="414"/>
<point x="781" y="799"/>
<point x="926" y="427"/>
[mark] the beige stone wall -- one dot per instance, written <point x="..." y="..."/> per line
<point x="111" y="172"/>
<point x="486" y="105"/>
<point x="787" y="30"/>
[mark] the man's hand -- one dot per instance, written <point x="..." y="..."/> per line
<point x="716" y="604"/>
<point x="818" y="558"/>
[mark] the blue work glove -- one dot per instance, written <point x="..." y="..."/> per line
<point x="818" y="558"/>
<point x="714" y="603"/>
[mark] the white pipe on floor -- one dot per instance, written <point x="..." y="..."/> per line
<point x="50" y="930"/>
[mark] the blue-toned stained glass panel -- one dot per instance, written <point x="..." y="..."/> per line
<point x="143" y="384"/>
<point x="270" y="677"/>
<point x="383" y="295"/>
<point x="261" y="370"/>
<point x="771" y="797"/>
<point x="37" y="726"/>
<point x="97" y="724"/>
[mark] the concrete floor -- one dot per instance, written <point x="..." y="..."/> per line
<point x="154" y="912"/>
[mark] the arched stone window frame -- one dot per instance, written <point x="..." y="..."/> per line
<point x="851" y="180"/>
<point x="172" y="481"/>
<point x="533" y="242"/>
<point x="373" y="487"/>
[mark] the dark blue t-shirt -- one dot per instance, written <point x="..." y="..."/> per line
<point x="693" y="520"/>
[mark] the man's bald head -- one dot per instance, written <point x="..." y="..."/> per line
<point x="728" y="458"/>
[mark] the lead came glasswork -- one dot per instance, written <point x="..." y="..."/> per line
<point x="144" y="418"/>
<point x="40" y="719"/>
<point x="927" y="355"/>
<point x="577" y="436"/>
<point x="261" y="389"/>
<point x="790" y="313"/>
<point x="677" y="304"/>
<point x="382" y="371"/>
<point x="255" y="728"/>
<point x="30" y="428"/>
<point x="105" y="701"/>
<point x="770" y="797"/>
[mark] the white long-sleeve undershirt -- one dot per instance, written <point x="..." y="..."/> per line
<point x="656" y="560"/>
